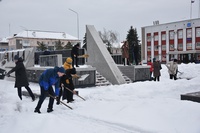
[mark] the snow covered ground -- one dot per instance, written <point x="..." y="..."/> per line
<point x="141" y="107"/>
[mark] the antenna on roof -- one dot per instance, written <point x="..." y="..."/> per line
<point x="156" y="22"/>
<point x="9" y="29"/>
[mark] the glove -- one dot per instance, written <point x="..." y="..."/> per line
<point x="67" y="81"/>
<point x="75" y="76"/>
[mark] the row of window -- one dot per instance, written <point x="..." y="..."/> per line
<point x="171" y="47"/>
<point x="172" y="34"/>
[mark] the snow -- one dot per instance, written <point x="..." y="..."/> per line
<point x="141" y="107"/>
<point x="46" y="34"/>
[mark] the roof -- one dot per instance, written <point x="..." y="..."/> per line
<point x="187" y="20"/>
<point x="4" y="40"/>
<point x="45" y="34"/>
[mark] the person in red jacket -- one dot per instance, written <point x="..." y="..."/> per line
<point x="149" y="63"/>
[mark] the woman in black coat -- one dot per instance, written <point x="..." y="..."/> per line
<point x="21" y="79"/>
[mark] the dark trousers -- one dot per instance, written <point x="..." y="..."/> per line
<point x="69" y="94"/>
<point x="151" y="76"/>
<point x="19" y="90"/>
<point x="61" y="94"/>
<point x="157" y="78"/>
<point x="171" y="76"/>
<point x="74" y="59"/>
<point x="127" y="61"/>
<point x="43" y="95"/>
<point x="66" y="94"/>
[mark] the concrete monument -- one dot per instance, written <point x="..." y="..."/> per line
<point x="100" y="58"/>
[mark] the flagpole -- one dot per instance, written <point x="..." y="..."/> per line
<point x="199" y="9"/>
<point x="191" y="10"/>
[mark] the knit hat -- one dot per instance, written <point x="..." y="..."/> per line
<point x="16" y="57"/>
<point x="69" y="60"/>
<point x="175" y="60"/>
<point x="61" y="70"/>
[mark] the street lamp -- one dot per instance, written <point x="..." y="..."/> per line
<point x="77" y="21"/>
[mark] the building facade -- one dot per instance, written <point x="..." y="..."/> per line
<point x="180" y="40"/>
<point x="31" y="38"/>
<point x="4" y="44"/>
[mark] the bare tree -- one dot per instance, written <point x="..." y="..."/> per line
<point x="108" y="37"/>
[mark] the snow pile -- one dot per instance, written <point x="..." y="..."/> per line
<point x="141" y="107"/>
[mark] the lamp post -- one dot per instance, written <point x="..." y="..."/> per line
<point x="77" y="21"/>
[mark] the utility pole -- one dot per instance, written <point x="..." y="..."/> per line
<point x="77" y="21"/>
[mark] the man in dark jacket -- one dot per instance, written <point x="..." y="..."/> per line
<point x="75" y="54"/>
<point x="21" y="79"/>
<point x="48" y="78"/>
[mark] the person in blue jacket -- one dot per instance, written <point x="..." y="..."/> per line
<point x="48" y="78"/>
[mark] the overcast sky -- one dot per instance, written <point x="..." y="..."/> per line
<point x="115" y="15"/>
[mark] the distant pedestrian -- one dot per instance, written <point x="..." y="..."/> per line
<point x="48" y="78"/>
<point x="136" y="53"/>
<point x="125" y="53"/>
<point x="156" y="69"/>
<point x="21" y="79"/>
<point x="149" y="63"/>
<point x="172" y="69"/>
<point x="75" y="54"/>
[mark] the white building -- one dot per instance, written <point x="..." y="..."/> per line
<point x="179" y="40"/>
<point x="3" y="44"/>
<point x="30" y="38"/>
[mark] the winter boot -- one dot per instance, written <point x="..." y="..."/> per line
<point x="37" y="111"/>
<point x="49" y="110"/>
<point x="33" y="98"/>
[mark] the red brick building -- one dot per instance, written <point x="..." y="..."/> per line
<point x="179" y="40"/>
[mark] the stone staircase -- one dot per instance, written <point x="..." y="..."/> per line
<point x="101" y="81"/>
<point x="127" y="72"/>
<point x="127" y="79"/>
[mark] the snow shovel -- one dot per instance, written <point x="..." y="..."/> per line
<point x="74" y="93"/>
<point x="61" y="102"/>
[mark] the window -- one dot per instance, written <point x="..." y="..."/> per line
<point x="180" y="34"/>
<point x="198" y="45"/>
<point x="163" y="58"/>
<point x="51" y="48"/>
<point x="156" y="38"/>
<point x="156" y="48"/>
<point x="180" y="46"/>
<point x="26" y="43"/>
<point x="189" y="45"/>
<point x="197" y="32"/>
<point x="163" y="37"/>
<point x="189" y="33"/>
<point x="148" y="48"/>
<point x="148" y="38"/>
<point x="163" y="47"/>
<point x="171" y="35"/>
<point x="171" y="46"/>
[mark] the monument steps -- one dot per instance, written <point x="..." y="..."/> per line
<point x="127" y="79"/>
<point x="127" y="71"/>
<point x="101" y="81"/>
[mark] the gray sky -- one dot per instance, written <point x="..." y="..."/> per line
<point x="115" y="15"/>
